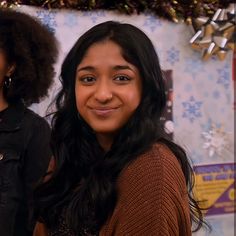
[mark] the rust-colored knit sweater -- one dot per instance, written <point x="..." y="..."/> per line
<point x="152" y="198"/>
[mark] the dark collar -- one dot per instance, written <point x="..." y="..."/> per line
<point x="12" y="117"/>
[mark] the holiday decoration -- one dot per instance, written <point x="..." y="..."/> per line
<point x="8" y="4"/>
<point x="216" y="140"/>
<point x="174" y="10"/>
<point x="215" y="35"/>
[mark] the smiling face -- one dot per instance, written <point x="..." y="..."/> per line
<point x="108" y="89"/>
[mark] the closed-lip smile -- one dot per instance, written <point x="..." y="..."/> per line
<point x="103" y="111"/>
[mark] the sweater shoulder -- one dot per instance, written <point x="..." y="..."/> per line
<point x="152" y="197"/>
<point x="158" y="164"/>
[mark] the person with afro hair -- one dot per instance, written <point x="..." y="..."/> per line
<point x="28" y="51"/>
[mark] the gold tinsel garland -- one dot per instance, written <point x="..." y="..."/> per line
<point x="174" y="10"/>
<point x="213" y="20"/>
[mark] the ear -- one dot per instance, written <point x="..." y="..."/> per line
<point x="10" y="69"/>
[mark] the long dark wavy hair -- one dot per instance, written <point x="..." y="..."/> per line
<point x="84" y="179"/>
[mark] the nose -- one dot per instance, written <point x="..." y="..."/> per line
<point x="103" y="93"/>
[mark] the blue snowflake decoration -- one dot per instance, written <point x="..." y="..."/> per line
<point x="48" y="19"/>
<point x="192" y="109"/>
<point x="193" y="65"/>
<point x="224" y="76"/>
<point x="173" y="55"/>
<point x="94" y="15"/>
<point x="71" y="20"/>
<point x="152" y="22"/>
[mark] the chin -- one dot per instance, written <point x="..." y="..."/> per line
<point x="105" y="130"/>
<point x="105" y="127"/>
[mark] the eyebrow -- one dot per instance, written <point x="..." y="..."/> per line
<point x="88" y="68"/>
<point x="122" y="67"/>
<point x="117" y="67"/>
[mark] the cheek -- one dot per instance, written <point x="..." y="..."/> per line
<point x="133" y="98"/>
<point x="77" y="97"/>
<point x="81" y="96"/>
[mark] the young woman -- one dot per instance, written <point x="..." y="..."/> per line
<point x="114" y="172"/>
<point x="27" y="53"/>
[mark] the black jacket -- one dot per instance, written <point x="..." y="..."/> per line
<point x="24" y="157"/>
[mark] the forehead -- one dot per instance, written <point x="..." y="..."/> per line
<point x="103" y="52"/>
<point x="103" y="46"/>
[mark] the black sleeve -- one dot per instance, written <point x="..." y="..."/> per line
<point x="37" y="157"/>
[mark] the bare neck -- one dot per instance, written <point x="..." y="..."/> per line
<point x="105" y="141"/>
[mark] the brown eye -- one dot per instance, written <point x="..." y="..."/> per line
<point x="122" y="78"/>
<point x="87" y="80"/>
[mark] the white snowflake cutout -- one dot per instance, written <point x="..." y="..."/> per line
<point x="216" y="140"/>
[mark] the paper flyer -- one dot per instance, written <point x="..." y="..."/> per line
<point x="215" y="187"/>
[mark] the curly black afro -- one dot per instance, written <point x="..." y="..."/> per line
<point x="33" y="49"/>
